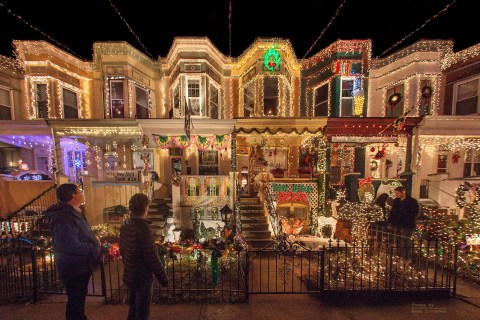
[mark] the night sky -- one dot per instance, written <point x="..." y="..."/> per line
<point x="83" y="22"/>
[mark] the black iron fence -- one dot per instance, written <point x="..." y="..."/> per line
<point x="384" y="263"/>
<point x="28" y="273"/>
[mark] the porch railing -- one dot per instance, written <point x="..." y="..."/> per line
<point x="28" y="219"/>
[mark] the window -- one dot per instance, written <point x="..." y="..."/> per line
<point x="249" y="100"/>
<point x="208" y="163"/>
<point x="42" y="100"/>
<point x="5" y="105"/>
<point x="471" y="167"/>
<point x="193" y="90"/>
<point x="397" y="109"/>
<point x="117" y="99"/>
<point x="467" y="97"/>
<point x="320" y="101"/>
<point x="287" y="107"/>
<point x="442" y="163"/>
<point x="176" y="103"/>
<point x="425" y="101"/>
<point x="213" y="102"/>
<point x="70" y="104"/>
<point x="270" y="96"/>
<point x="346" y="102"/>
<point x="141" y="103"/>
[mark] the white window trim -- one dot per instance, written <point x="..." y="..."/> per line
<point x="79" y="114"/>
<point x="149" y="105"/>
<point x="349" y="98"/>
<point x="50" y="113"/>
<point x="200" y="97"/>
<point x="10" y="95"/>
<point x="328" y="100"/>
<point x="216" y="86"/>
<point x="455" y="93"/>
<point x="125" y="111"/>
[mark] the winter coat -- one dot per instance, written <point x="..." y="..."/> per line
<point x="404" y="213"/>
<point x="76" y="248"/>
<point x="140" y="254"/>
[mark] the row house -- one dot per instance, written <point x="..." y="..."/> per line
<point x="202" y="121"/>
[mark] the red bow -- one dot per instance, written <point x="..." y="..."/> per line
<point x="361" y="182"/>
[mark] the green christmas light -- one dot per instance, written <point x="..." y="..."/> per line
<point x="271" y="59"/>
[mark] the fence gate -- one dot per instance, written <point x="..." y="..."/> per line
<point x="285" y="267"/>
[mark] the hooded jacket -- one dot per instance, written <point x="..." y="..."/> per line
<point x="140" y="254"/>
<point x="76" y="248"/>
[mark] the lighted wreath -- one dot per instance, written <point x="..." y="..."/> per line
<point x="394" y="99"/>
<point x="373" y="165"/>
<point x="427" y="91"/>
<point x="271" y="59"/>
<point x="467" y="193"/>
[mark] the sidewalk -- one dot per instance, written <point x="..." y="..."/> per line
<point x="261" y="307"/>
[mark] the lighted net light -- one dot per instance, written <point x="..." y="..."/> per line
<point x="358" y="100"/>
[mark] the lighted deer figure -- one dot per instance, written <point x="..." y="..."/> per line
<point x="326" y="221"/>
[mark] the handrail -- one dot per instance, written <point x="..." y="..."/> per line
<point x="15" y="213"/>
<point x="272" y="212"/>
<point x="431" y="185"/>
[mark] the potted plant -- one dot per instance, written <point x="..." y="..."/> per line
<point x="277" y="172"/>
<point x="304" y="172"/>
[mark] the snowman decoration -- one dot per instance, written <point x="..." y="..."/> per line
<point x="169" y="227"/>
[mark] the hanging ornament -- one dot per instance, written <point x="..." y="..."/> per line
<point x="270" y="153"/>
<point x="372" y="149"/>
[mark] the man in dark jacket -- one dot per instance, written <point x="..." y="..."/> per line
<point x="403" y="217"/>
<point x="140" y="258"/>
<point x="76" y="248"/>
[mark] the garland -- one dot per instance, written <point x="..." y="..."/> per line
<point x="427" y="92"/>
<point x="215" y="142"/>
<point x="394" y="99"/>
<point x="461" y="194"/>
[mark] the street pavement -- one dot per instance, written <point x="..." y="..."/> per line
<point x="465" y="306"/>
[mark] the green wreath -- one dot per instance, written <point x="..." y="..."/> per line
<point x="461" y="194"/>
<point x="271" y="59"/>
<point x="427" y="91"/>
<point x="373" y="165"/>
<point x="394" y="99"/>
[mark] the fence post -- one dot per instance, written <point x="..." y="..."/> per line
<point x="322" y="270"/>
<point x="247" y="274"/>
<point x="34" y="275"/>
<point x="104" y="281"/>
<point x="455" y="258"/>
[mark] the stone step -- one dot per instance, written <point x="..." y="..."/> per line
<point x="256" y="226"/>
<point x="249" y="207"/>
<point x="256" y="234"/>
<point x="259" y="243"/>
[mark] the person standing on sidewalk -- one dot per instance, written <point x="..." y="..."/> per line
<point x="76" y="248"/>
<point x="403" y="217"/>
<point x="140" y="259"/>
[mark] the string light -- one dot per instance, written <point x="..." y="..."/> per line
<point x="40" y="31"/>
<point x="325" y="29"/>
<point x="419" y="28"/>
<point x="130" y="29"/>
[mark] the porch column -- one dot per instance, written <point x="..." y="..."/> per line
<point x="408" y="173"/>
<point x="58" y="157"/>
<point x="233" y="181"/>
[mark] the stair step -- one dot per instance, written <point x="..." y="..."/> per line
<point x="256" y="234"/>
<point x="259" y="226"/>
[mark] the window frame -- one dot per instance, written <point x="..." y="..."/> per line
<point x="37" y="100"/>
<point x="111" y="98"/>
<point x="188" y="80"/>
<point x="148" y="107"/>
<point x="351" y="98"/>
<point x="472" y="163"/>
<point x="250" y="109"/>
<point x="10" y="98"/>
<point x="77" y="107"/>
<point x="218" y="105"/>
<point x="327" y="101"/>
<point x="401" y="103"/>
<point x="455" y="93"/>
<point x="277" y="107"/>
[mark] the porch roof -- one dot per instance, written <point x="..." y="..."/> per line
<point x="176" y="127"/>
<point x="86" y="128"/>
<point x="461" y="126"/>
<point x="299" y="126"/>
